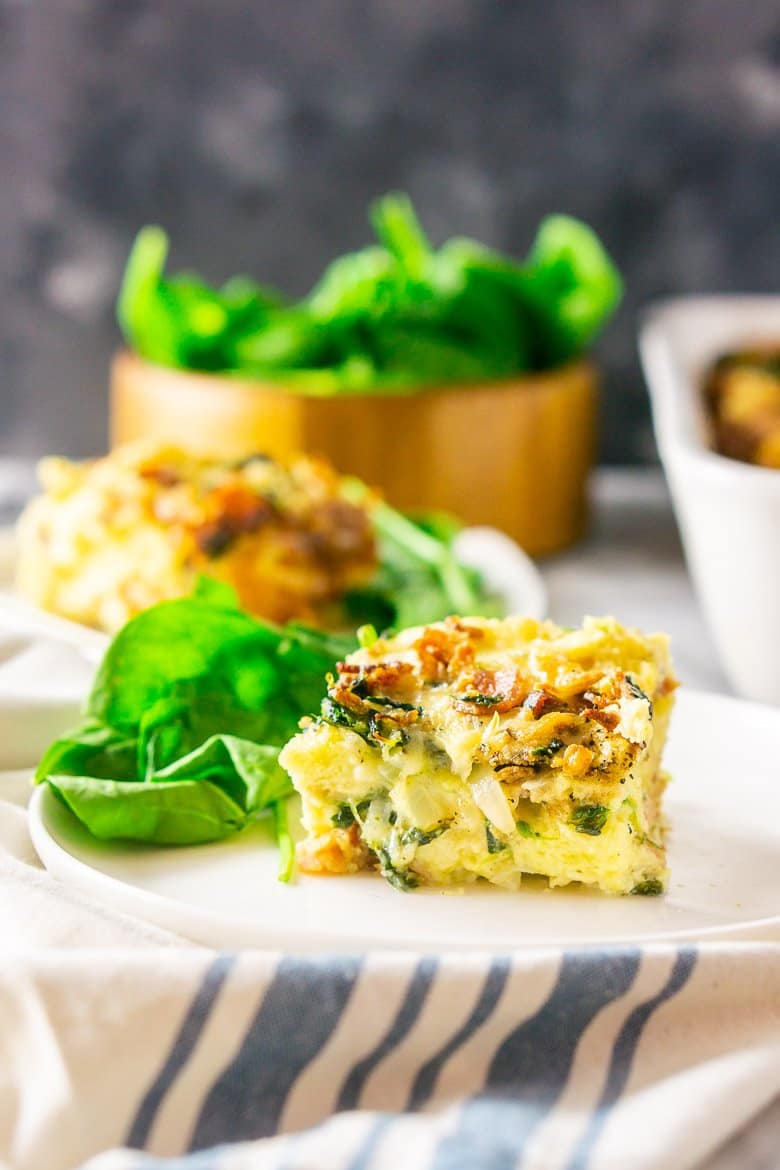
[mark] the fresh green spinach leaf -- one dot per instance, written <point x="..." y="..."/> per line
<point x="590" y="818"/>
<point x="183" y="728"/>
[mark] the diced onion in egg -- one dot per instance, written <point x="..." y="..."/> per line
<point x="490" y="799"/>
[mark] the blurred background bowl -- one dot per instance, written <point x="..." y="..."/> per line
<point x="728" y="511"/>
<point x="513" y="454"/>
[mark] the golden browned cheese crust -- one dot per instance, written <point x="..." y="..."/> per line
<point x="110" y="537"/>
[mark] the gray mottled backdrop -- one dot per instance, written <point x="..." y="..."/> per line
<point x="257" y="132"/>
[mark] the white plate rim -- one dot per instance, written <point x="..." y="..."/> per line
<point x="207" y="927"/>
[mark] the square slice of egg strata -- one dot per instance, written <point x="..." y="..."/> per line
<point x="478" y="748"/>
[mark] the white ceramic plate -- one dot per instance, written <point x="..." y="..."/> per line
<point x="724" y="806"/>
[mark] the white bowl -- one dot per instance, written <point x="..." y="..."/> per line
<point x="728" y="511"/>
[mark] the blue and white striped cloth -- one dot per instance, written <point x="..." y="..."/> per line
<point x="179" y="1059"/>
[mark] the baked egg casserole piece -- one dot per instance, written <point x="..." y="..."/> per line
<point x="483" y="748"/>
<point x="112" y="536"/>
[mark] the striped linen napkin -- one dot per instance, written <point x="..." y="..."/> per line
<point x="123" y="1047"/>
<point x="624" y="1059"/>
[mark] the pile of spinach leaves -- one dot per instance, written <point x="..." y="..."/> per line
<point x="181" y="733"/>
<point x="395" y="316"/>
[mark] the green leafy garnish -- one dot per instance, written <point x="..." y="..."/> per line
<point x="284" y="841"/>
<point x="183" y="322"/>
<point x="419" y="579"/>
<point x="366" y="636"/>
<point x="181" y="733"/>
<point x="415" y="836"/>
<point x="343" y="817"/>
<point x="635" y="690"/>
<point x="380" y="703"/>
<point x="651" y="887"/>
<point x="478" y="700"/>
<point x="494" y="843"/>
<point x="548" y="749"/>
<point x="525" y="830"/>
<point x="572" y="285"/>
<point x="400" y="878"/>
<point x="373" y="728"/>
<point x="339" y="716"/>
<point x="422" y="548"/>
<point x="590" y="818"/>
<point x="394" y="317"/>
